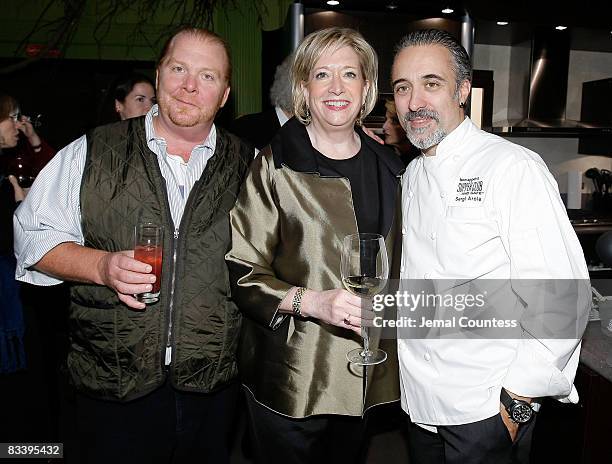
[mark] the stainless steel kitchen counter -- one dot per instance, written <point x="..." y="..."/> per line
<point x="597" y="350"/>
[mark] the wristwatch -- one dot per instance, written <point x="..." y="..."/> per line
<point x="520" y="411"/>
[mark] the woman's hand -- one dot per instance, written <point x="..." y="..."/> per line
<point x="20" y="193"/>
<point x="338" y="307"/>
<point x="26" y="127"/>
<point x="370" y="133"/>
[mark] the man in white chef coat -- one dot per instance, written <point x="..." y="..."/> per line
<point x="476" y="206"/>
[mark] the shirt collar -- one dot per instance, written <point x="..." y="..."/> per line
<point x="210" y="142"/>
<point x="452" y="143"/>
<point x="280" y="114"/>
<point x="291" y="146"/>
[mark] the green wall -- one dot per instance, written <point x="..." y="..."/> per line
<point x="241" y="26"/>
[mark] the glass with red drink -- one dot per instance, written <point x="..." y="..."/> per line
<point x="148" y="247"/>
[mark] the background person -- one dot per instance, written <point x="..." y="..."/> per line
<point x="259" y="128"/>
<point x="395" y="135"/>
<point x="481" y="210"/>
<point x="320" y="179"/>
<point x="12" y="329"/>
<point x="133" y="95"/>
<point x="155" y="383"/>
<point x="26" y="155"/>
<point x="30" y="332"/>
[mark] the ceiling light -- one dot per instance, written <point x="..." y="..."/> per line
<point x="561" y="28"/>
<point x="502" y="23"/>
<point x="333" y="2"/>
<point x="391" y="6"/>
<point x="447" y="10"/>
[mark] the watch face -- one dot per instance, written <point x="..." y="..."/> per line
<point x="521" y="412"/>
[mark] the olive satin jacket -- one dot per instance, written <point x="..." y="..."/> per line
<point x="287" y="230"/>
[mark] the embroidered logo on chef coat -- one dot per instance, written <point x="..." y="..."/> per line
<point x="470" y="190"/>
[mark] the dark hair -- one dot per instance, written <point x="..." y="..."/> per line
<point x="7" y="105"/>
<point x="460" y="58"/>
<point x="125" y="83"/>
<point x="205" y="36"/>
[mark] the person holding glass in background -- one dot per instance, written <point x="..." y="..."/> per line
<point x="25" y="153"/>
<point x="11" y="194"/>
<point x="320" y="179"/>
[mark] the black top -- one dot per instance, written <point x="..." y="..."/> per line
<point x="362" y="172"/>
<point x="291" y="147"/>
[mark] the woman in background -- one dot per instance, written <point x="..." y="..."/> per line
<point x="134" y="95"/>
<point x="25" y="152"/>
<point x="395" y="135"/>
<point x="12" y="355"/>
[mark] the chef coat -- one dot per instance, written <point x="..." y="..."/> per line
<point x="485" y="208"/>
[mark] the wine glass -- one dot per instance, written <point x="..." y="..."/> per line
<point x="364" y="269"/>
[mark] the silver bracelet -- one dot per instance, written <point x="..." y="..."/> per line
<point x="296" y="304"/>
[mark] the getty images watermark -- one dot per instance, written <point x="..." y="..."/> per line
<point x="405" y="301"/>
<point x="482" y="308"/>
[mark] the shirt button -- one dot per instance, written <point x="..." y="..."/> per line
<point x="442" y="194"/>
<point x="410" y="193"/>
<point x="427" y="357"/>
<point x="432" y="235"/>
<point x="404" y="230"/>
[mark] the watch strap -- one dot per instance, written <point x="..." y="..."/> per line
<point x="505" y="398"/>
<point x="511" y="403"/>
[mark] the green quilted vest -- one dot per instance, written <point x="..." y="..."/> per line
<point x="118" y="353"/>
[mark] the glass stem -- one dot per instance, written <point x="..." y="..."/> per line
<point x="366" y="342"/>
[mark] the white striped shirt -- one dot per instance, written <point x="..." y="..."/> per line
<point x="51" y="212"/>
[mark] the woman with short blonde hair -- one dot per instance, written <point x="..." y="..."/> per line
<point x="325" y="41"/>
<point x="320" y="179"/>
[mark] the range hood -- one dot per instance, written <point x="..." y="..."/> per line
<point x="537" y="95"/>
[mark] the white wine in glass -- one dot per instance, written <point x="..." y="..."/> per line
<point x="364" y="269"/>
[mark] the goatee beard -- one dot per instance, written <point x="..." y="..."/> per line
<point x="423" y="143"/>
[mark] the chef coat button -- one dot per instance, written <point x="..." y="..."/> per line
<point x="427" y="357"/>
<point x="442" y="194"/>
<point x="404" y="230"/>
<point x="410" y="193"/>
<point x="432" y="235"/>
<point x="426" y="275"/>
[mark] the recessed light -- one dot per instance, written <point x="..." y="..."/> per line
<point x="391" y="6"/>
<point x="502" y="23"/>
<point x="561" y="28"/>
<point x="447" y="10"/>
<point x="333" y="2"/>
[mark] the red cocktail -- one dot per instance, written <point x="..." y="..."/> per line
<point x="151" y="255"/>
<point x="148" y="242"/>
